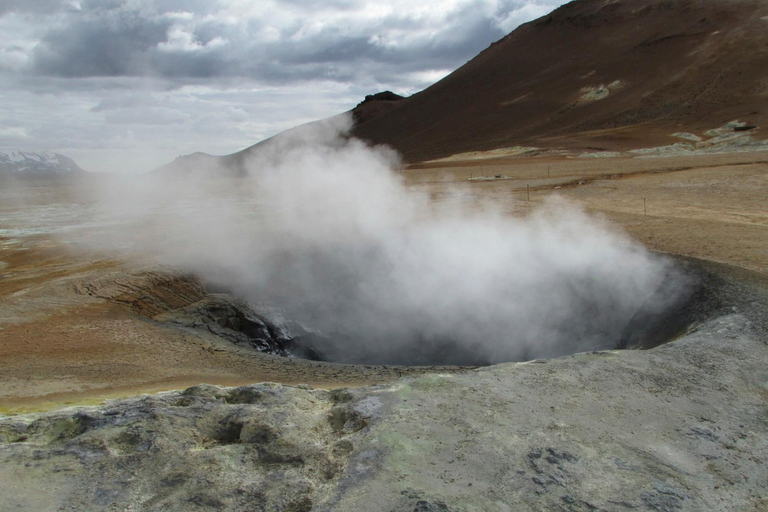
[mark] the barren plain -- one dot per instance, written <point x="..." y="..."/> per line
<point x="62" y="345"/>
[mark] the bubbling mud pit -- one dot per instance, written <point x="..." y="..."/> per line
<point x="664" y="316"/>
<point x="691" y="293"/>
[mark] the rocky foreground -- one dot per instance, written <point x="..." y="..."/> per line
<point x="683" y="426"/>
<point x="680" y="427"/>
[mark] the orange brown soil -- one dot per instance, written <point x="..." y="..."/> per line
<point x="59" y="345"/>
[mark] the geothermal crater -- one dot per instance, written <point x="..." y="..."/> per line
<point x="692" y="292"/>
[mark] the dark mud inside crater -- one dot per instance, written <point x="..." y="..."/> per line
<point x="693" y="292"/>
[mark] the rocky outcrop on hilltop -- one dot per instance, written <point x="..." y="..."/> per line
<point x="374" y="105"/>
<point x="381" y="96"/>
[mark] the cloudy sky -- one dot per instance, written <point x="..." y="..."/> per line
<point x="127" y="85"/>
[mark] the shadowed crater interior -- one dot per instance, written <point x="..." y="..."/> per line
<point x="692" y="292"/>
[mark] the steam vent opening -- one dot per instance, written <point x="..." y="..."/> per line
<point x="688" y="295"/>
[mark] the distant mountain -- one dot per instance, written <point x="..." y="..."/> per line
<point x="36" y="163"/>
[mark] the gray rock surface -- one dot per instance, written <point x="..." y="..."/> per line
<point x="681" y="427"/>
<point x="734" y="136"/>
<point x="232" y="319"/>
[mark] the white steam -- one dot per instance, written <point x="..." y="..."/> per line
<point x="325" y="228"/>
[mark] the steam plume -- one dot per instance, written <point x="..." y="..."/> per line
<point x="324" y="228"/>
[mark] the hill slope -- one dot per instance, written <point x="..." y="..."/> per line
<point x="324" y="131"/>
<point x="617" y="74"/>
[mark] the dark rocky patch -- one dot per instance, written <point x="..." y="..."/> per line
<point x="381" y="96"/>
<point x="696" y="292"/>
<point x="231" y="319"/>
<point x="375" y="105"/>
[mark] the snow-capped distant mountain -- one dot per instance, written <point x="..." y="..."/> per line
<point x="19" y="162"/>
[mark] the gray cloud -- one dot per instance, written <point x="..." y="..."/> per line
<point x="94" y="48"/>
<point x="45" y="7"/>
<point x="168" y="77"/>
<point x="191" y="40"/>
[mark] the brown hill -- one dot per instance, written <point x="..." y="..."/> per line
<point x="597" y="74"/>
<point x="615" y="74"/>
